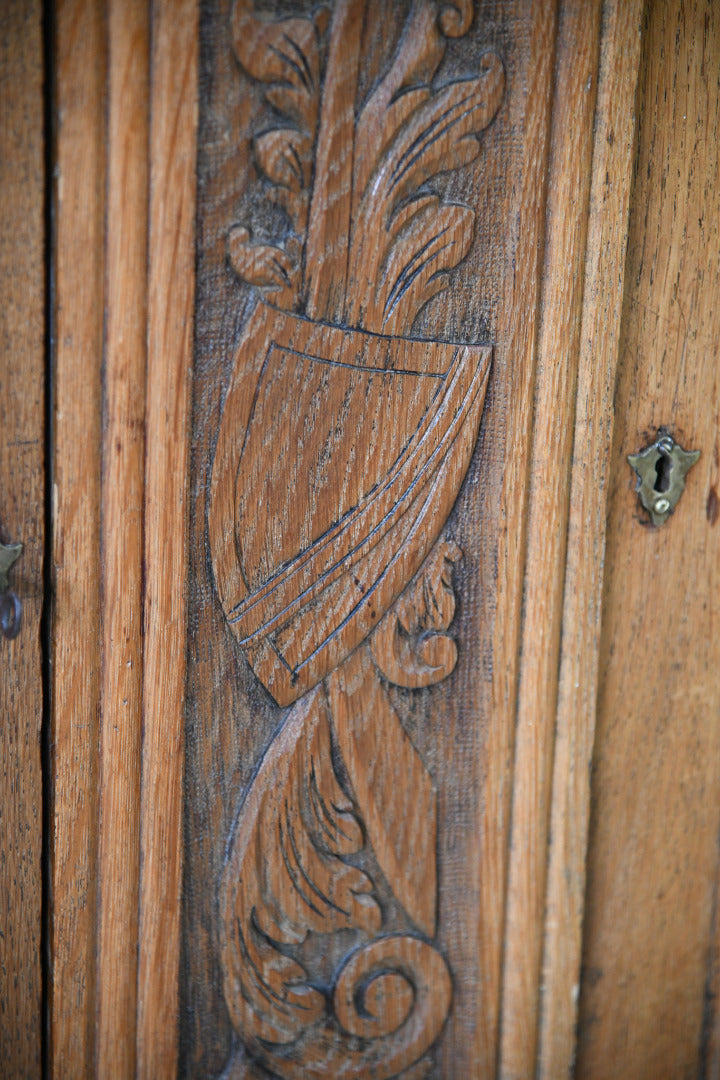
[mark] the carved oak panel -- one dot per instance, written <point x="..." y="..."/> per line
<point x="451" y="799"/>
<point x="353" y="169"/>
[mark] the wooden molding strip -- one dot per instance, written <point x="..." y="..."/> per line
<point x="173" y="127"/>
<point x="22" y="520"/>
<point x="122" y="398"/>
<point x="518" y="315"/>
<point x="554" y="415"/>
<point x="614" y="144"/>
<point x="122" y="531"/>
<point x="78" y="211"/>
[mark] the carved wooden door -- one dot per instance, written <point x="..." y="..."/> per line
<point x="360" y="698"/>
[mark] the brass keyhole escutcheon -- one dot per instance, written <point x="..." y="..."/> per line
<point x="662" y="468"/>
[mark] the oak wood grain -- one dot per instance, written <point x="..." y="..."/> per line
<point x="569" y="172"/>
<point x="613" y="151"/>
<point x="123" y="457"/>
<point x="653" y="857"/>
<point x="230" y="721"/>
<point x="515" y="321"/>
<point x="78" y="255"/>
<point x="454" y="766"/>
<point x="22" y="520"/>
<point x="171" y="279"/>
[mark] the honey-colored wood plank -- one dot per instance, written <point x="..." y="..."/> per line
<point x="569" y="173"/>
<point x="173" y="104"/>
<point x="577" y="689"/>
<point x="78" y="208"/>
<point x="653" y="853"/>
<point x="122" y="531"/>
<point x="517" y="321"/>
<point x="22" y="514"/>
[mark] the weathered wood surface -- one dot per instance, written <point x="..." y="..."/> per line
<point x="22" y="520"/>
<point x="461" y="732"/>
<point x="123" y="458"/>
<point x="648" y="999"/>
<point x="76" y="570"/>
<point x="171" y="284"/>
<point x="569" y="174"/>
<point x="416" y="824"/>
<point x="123" y="202"/>
<point x="614" y="143"/>
<point x="511" y="278"/>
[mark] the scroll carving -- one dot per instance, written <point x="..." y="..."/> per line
<point x="291" y="871"/>
<point x="342" y="447"/>
<point x="408" y="646"/>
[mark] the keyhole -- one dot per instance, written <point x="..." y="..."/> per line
<point x="663" y="468"/>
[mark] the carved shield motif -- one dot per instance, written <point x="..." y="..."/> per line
<point x="340" y="453"/>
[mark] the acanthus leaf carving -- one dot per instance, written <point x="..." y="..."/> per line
<point x="283" y="53"/>
<point x="326" y="543"/>
<point x="376" y="752"/>
<point x="438" y="134"/>
<point x="409" y="646"/>
<point x="284" y="155"/>
<point x="297" y="810"/>
<point x="264" y="265"/>
<point x="289" y="876"/>
<point x="285" y="56"/>
<point x="408" y="131"/>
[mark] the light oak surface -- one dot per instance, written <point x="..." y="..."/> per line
<point x="123" y="187"/>
<point x="78" y="196"/>
<point x="380" y="723"/>
<point x="614" y="143"/>
<point x="171" y="285"/>
<point x="121" y="539"/>
<point x="569" y="174"/>
<point x="647" y="1008"/>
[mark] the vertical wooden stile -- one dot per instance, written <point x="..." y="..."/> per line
<point x="78" y="302"/>
<point x="173" y="104"/>
<point x="614" y="144"/>
<point x="649" y="993"/>
<point x="22" y="520"/>
<point x="517" y="320"/>
<point x="569" y="173"/>
<point x="122" y="531"/>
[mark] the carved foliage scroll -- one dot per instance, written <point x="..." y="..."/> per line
<point x="293" y="871"/>
<point x="343" y="444"/>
